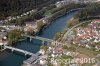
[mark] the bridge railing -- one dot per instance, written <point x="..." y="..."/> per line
<point x="19" y="50"/>
<point x="39" y="38"/>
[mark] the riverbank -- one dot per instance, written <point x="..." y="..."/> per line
<point x="87" y="51"/>
<point x="69" y="24"/>
<point x="34" y="46"/>
<point x="48" y="24"/>
<point x="54" y="13"/>
<point x="51" y="21"/>
<point x="79" y="22"/>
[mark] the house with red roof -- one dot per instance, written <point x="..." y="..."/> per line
<point x="88" y="34"/>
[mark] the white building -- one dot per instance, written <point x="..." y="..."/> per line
<point x="60" y="3"/>
<point x="43" y="61"/>
<point x="31" y="26"/>
<point x="86" y="1"/>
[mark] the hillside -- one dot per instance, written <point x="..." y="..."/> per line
<point x="15" y="7"/>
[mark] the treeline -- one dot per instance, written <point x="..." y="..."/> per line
<point x="56" y="12"/>
<point x="50" y="10"/>
<point x="16" y="7"/>
<point x="91" y="10"/>
<point x="68" y="7"/>
<point x="32" y="17"/>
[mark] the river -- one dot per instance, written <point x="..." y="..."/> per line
<point x="8" y="58"/>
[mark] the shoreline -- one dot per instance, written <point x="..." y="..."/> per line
<point x="72" y="10"/>
<point x="48" y="24"/>
<point x="81" y="22"/>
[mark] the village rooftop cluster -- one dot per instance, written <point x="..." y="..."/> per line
<point x="88" y="35"/>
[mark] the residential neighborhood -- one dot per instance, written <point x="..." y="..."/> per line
<point x="87" y="34"/>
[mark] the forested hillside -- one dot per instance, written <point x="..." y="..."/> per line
<point x="15" y="7"/>
<point x="93" y="9"/>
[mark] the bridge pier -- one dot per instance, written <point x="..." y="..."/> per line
<point x="30" y="39"/>
<point x="43" y="42"/>
<point x="4" y="47"/>
<point x="12" y="50"/>
<point x="19" y="50"/>
<point x="25" y="54"/>
<point x="56" y="43"/>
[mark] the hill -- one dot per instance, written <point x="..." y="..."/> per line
<point x="15" y="7"/>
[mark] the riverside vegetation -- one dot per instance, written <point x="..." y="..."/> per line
<point x="90" y="9"/>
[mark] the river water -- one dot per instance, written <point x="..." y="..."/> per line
<point x="8" y="58"/>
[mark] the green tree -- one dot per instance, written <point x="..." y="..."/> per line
<point x="40" y="25"/>
<point x="58" y="35"/>
<point x="72" y="22"/>
<point x="92" y="9"/>
<point x="14" y="36"/>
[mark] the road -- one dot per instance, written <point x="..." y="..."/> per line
<point x="80" y="49"/>
<point x="69" y="30"/>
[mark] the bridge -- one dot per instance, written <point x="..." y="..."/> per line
<point x="39" y="38"/>
<point x="29" y="61"/>
<point x="56" y="43"/>
<point x="32" y="60"/>
<point x="19" y="50"/>
<point x="34" y="57"/>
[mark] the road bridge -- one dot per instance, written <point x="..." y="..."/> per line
<point x="39" y="38"/>
<point x="56" y="43"/>
<point x="19" y="50"/>
<point x="30" y="60"/>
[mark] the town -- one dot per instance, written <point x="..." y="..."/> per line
<point x="78" y="44"/>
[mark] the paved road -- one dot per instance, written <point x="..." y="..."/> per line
<point x="69" y="30"/>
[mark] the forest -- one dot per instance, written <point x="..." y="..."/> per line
<point x="16" y="7"/>
<point x="93" y="9"/>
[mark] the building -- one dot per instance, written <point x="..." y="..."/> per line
<point x="86" y="1"/>
<point x="31" y="26"/>
<point x="3" y="42"/>
<point x="60" y="3"/>
<point x="42" y="61"/>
